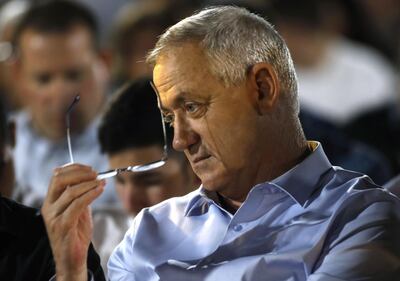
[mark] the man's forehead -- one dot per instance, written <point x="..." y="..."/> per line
<point x="173" y="88"/>
<point x="186" y="55"/>
<point x="180" y="69"/>
<point x="77" y="37"/>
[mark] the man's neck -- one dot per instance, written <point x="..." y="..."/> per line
<point x="228" y="204"/>
<point x="293" y="157"/>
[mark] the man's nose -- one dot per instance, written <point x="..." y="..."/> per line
<point x="64" y="91"/>
<point x="184" y="135"/>
<point x="137" y="195"/>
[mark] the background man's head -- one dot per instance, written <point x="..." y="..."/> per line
<point x="57" y="58"/>
<point x="131" y="134"/>
<point x="227" y="80"/>
<point x="135" y="32"/>
<point x="307" y="28"/>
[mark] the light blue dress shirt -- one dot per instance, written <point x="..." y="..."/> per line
<point x="35" y="158"/>
<point x="393" y="185"/>
<point x="315" y="222"/>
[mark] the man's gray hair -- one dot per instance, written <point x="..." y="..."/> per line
<point x="233" y="40"/>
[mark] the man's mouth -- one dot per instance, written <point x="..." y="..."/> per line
<point x="198" y="159"/>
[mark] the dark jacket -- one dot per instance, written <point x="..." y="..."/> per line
<point x="25" y="252"/>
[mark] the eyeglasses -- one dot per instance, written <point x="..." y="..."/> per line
<point x="135" y="169"/>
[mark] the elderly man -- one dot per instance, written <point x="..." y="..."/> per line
<point x="271" y="206"/>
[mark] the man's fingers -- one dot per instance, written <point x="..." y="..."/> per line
<point x="72" y="174"/>
<point x="71" y="193"/>
<point x="79" y="205"/>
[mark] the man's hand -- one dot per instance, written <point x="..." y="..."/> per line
<point x="68" y="220"/>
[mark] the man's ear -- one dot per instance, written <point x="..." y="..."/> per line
<point x="265" y="85"/>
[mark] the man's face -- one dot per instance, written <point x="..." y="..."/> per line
<point x="215" y="125"/>
<point x="54" y="68"/>
<point x="140" y="190"/>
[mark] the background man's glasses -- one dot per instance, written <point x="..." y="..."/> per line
<point x="137" y="168"/>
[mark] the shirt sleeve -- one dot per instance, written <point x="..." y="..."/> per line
<point x="364" y="245"/>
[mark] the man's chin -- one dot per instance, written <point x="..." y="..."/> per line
<point x="51" y="130"/>
<point x="213" y="183"/>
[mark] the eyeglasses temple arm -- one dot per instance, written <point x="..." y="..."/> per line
<point x="71" y="157"/>
<point x="165" y="151"/>
<point x="76" y="99"/>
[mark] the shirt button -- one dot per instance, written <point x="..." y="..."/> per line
<point x="237" y="227"/>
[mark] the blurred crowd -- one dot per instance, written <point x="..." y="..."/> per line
<point x="346" y="54"/>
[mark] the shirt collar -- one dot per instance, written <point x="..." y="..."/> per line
<point x="199" y="203"/>
<point x="302" y="180"/>
<point x="299" y="182"/>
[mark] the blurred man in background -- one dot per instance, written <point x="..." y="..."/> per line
<point x="57" y="58"/>
<point x="135" y="31"/>
<point x="131" y="134"/>
<point x="338" y="78"/>
<point x="25" y="253"/>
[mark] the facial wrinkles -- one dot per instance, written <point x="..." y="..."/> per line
<point x="217" y="141"/>
<point x="169" y="100"/>
<point x="168" y="88"/>
<point x="224" y="98"/>
<point x="164" y="85"/>
<point x="169" y="80"/>
<point x="173" y="70"/>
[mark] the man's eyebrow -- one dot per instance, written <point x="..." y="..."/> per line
<point x="177" y="100"/>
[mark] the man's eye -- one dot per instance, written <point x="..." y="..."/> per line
<point x="74" y="75"/>
<point x="191" y="107"/>
<point x="43" y="78"/>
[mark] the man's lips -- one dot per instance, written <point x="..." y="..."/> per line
<point x="200" y="158"/>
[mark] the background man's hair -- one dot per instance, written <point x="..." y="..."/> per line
<point x="132" y="119"/>
<point x="57" y="17"/>
<point x="135" y="19"/>
<point x="233" y="39"/>
<point x="311" y="12"/>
